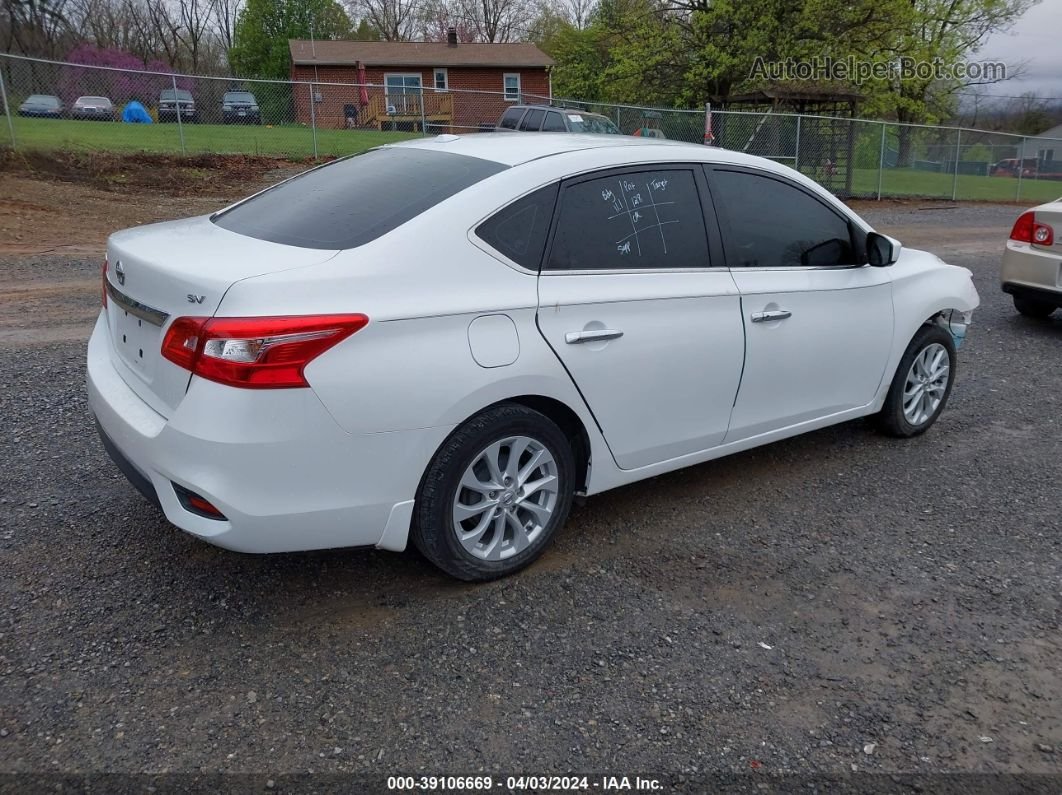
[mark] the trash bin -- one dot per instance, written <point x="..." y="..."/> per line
<point x="350" y="113"/>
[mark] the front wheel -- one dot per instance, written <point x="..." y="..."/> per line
<point x="495" y="493"/>
<point x="922" y="384"/>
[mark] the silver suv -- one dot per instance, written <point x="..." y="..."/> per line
<point x="545" y="118"/>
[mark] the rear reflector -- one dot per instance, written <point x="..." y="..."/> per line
<point x="255" y="352"/>
<point x="194" y="503"/>
<point x="1028" y="230"/>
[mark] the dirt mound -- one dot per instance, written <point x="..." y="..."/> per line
<point x="143" y="172"/>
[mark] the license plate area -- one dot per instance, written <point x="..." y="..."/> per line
<point x="137" y="341"/>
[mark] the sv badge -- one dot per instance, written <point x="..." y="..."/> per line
<point x="195" y="299"/>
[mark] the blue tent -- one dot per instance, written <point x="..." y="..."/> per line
<point x="134" y="113"/>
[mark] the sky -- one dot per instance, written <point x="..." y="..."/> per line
<point x="1036" y="40"/>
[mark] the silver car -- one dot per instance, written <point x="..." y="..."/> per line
<point x="1032" y="262"/>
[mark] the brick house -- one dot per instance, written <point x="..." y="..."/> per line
<point x="415" y="85"/>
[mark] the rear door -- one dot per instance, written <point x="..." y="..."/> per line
<point x="635" y="302"/>
<point x="818" y="321"/>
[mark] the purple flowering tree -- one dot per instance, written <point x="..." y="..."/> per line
<point x="120" y="87"/>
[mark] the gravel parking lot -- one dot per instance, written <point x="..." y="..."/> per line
<point x="838" y="602"/>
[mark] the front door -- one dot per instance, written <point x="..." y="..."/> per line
<point x="630" y="302"/>
<point x="818" y="325"/>
<point x="404" y="92"/>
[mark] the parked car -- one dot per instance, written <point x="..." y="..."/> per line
<point x="1032" y="261"/>
<point x="545" y="118"/>
<point x="171" y="104"/>
<point x="1008" y="167"/>
<point x="240" y="107"/>
<point x="443" y="341"/>
<point x="42" y="105"/>
<point x="92" y="109"/>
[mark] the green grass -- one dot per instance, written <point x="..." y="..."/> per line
<point x="297" y="141"/>
<point x="285" y="141"/>
<point x="899" y="182"/>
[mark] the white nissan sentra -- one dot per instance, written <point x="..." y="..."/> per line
<point x="444" y="341"/>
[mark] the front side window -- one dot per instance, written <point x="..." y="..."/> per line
<point x="768" y="223"/>
<point x="631" y="220"/>
<point x="512" y="87"/>
<point x="519" y="230"/>
<point x="355" y="200"/>
<point x="554" y="122"/>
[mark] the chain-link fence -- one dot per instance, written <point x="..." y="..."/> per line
<point x="53" y="105"/>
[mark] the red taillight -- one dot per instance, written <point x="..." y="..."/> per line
<point x="255" y="352"/>
<point x="103" y="276"/>
<point x="1028" y="230"/>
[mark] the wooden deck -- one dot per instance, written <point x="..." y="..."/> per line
<point x="438" y="111"/>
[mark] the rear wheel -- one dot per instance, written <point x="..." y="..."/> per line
<point x="922" y="384"/>
<point x="1032" y="308"/>
<point x="495" y="493"/>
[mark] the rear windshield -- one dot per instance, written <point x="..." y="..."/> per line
<point x="43" y="99"/>
<point x="181" y="95"/>
<point x="353" y="201"/>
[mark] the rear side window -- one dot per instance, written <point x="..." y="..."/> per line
<point x="519" y="230"/>
<point x="533" y="120"/>
<point x="554" y="123"/>
<point x="353" y="201"/>
<point x="631" y="220"/>
<point x="511" y="118"/>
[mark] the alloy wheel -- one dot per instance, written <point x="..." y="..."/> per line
<point x="927" y="383"/>
<point x="506" y="498"/>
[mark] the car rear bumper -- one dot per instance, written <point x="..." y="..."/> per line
<point x="274" y="462"/>
<point x="1032" y="272"/>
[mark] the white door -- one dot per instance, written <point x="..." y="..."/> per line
<point x="649" y="331"/>
<point x="818" y="327"/>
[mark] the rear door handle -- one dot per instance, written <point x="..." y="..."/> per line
<point x="575" y="337"/>
<point x="776" y="314"/>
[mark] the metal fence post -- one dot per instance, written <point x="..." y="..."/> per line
<point x="796" y="151"/>
<point x="881" y="159"/>
<point x="1021" y="166"/>
<point x="177" y="105"/>
<point x="423" y="123"/>
<point x="955" y="179"/>
<point x="313" y="120"/>
<point x="7" y="109"/>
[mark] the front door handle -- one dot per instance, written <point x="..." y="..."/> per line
<point x="776" y="314"/>
<point x="593" y="335"/>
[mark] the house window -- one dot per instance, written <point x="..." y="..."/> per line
<point x="512" y="87"/>
<point x="442" y="81"/>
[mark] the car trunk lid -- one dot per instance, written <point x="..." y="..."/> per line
<point x="160" y="272"/>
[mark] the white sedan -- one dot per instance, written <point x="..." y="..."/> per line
<point x="445" y="340"/>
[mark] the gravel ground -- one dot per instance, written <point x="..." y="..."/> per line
<point x="837" y="602"/>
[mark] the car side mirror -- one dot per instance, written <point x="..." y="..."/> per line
<point x="882" y="250"/>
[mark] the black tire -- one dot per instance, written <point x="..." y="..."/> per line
<point x="433" y="531"/>
<point x="891" y="419"/>
<point x="1033" y="308"/>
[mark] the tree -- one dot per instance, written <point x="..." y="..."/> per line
<point x="260" y="39"/>
<point x="395" y="20"/>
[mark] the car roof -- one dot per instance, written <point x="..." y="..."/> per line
<point x="515" y="148"/>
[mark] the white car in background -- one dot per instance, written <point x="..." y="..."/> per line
<point x="1032" y="261"/>
<point x="446" y="339"/>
